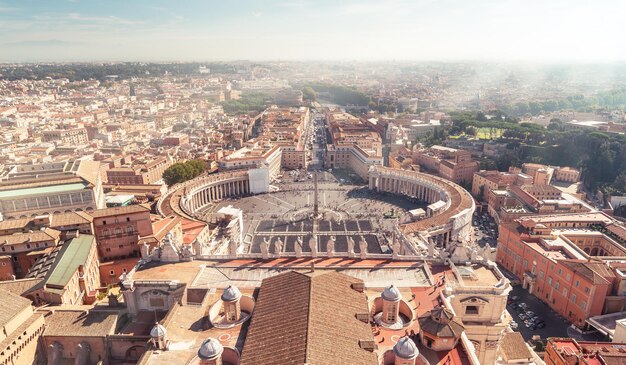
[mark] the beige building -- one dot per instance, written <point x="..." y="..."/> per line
<point x="73" y="136"/>
<point x="139" y="172"/>
<point x="20" y="331"/>
<point x="478" y="294"/>
<point x="31" y="190"/>
<point x="450" y="163"/>
<point x="254" y="155"/>
<point x="543" y="174"/>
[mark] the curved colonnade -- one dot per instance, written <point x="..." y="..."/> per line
<point x="453" y="218"/>
<point x="450" y="221"/>
<point x="186" y="198"/>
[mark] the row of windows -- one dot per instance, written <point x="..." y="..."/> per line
<point x="104" y="223"/>
<point x="129" y="229"/>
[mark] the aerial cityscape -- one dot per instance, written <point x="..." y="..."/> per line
<point x="312" y="183"/>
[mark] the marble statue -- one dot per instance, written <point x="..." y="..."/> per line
<point x="278" y="247"/>
<point x="313" y="246"/>
<point x="363" y="248"/>
<point x="396" y="247"/>
<point x="297" y="247"/>
<point x="330" y="246"/>
<point x="265" y="250"/>
<point x="350" y="246"/>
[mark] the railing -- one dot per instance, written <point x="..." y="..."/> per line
<point x="308" y="255"/>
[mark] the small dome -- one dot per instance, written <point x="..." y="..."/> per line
<point x="391" y="293"/>
<point x="158" y="331"/>
<point x="210" y="349"/>
<point x="405" y="348"/>
<point x="231" y="293"/>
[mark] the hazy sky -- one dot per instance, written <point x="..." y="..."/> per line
<point x="170" y="30"/>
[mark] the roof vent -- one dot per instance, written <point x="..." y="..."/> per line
<point x="369" y="345"/>
<point x="360" y="287"/>
<point x="363" y="317"/>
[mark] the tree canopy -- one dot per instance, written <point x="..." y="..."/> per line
<point x="183" y="171"/>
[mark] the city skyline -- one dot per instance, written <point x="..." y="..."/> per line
<point x="427" y="30"/>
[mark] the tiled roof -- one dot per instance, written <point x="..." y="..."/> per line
<point x="70" y="218"/>
<point x="80" y="323"/>
<point x="31" y="237"/>
<point x="119" y="210"/>
<point x="586" y="271"/>
<point x="10" y="306"/>
<point x="513" y="347"/>
<point x="19" y="287"/>
<point x="441" y="322"/>
<point x="308" y="319"/>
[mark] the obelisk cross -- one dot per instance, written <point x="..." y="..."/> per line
<point x="315" y="202"/>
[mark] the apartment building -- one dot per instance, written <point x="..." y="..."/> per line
<point x="450" y="163"/>
<point x="568" y="262"/>
<point x="143" y="171"/>
<point x="118" y="230"/>
<point x="72" y="136"/>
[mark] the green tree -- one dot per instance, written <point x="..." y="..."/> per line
<point x="183" y="171"/>
<point x="309" y="94"/>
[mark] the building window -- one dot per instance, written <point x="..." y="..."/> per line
<point x="104" y="223"/>
<point x="583" y="305"/>
<point x="471" y="309"/>
<point x="574" y="298"/>
<point x="576" y="283"/>
<point x="587" y="290"/>
<point x="127" y="219"/>
<point x="556" y="286"/>
<point x="565" y="292"/>
<point x="549" y="280"/>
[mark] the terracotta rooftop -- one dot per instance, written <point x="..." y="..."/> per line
<point x="100" y="213"/>
<point x="31" y="237"/>
<point x="302" y="318"/>
<point x="587" y="270"/>
<point x="19" y="287"/>
<point x="80" y="323"/>
<point x="513" y="347"/>
<point x="10" y="306"/>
